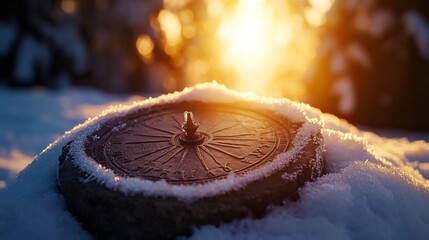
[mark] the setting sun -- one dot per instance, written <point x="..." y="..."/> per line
<point x="245" y="35"/>
<point x="260" y="46"/>
<point x="266" y="44"/>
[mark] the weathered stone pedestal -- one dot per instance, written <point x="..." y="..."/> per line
<point x="190" y="146"/>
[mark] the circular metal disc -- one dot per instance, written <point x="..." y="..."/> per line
<point x="156" y="144"/>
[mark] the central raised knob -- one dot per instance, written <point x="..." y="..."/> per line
<point x="189" y="130"/>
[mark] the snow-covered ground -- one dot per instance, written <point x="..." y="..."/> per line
<point x="374" y="188"/>
<point x="31" y="119"/>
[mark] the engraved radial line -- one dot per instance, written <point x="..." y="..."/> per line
<point x="213" y="126"/>
<point x="172" y="155"/>
<point x="162" y="130"/>
<point x="200" y="156"/>
<point x="144" y="135"/>
<point x="148" y="141"/>
<point x="232" y="143"/>
<point x="211" y="155"/>
<point x="149" y="153"/>
<point x="225" y="145"/>
<point x="236" y="135"/>
<point x="237" y="139"/>
<point x="225" y="128"/>
<point x="178" y="126"/>
<point x="223" y="151"/>
<point x="174" y="119"/>
<point x="162" y="155"/>
<point x="185" y="153"/>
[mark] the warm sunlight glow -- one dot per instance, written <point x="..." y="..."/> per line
<point x="145" y="47"/>
<point x="172" y="29"/>
<point x="315" y="14"/>
<point x="263" y="46"/>
<point x="68" y="6"/>
<point x="248" y="37"/>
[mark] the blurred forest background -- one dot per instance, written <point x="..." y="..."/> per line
<point x="362" y="60"/>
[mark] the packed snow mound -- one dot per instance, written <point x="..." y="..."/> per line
<point x="374" y="188"/>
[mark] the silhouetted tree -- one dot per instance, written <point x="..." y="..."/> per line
<point x="372" y="66"/>
<point x="89" y="42"/>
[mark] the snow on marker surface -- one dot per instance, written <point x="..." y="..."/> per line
<point x="372" y="189"/>
<point x="189" y="193"/>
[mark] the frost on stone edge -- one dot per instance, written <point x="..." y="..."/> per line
<point x="207" y="93"/>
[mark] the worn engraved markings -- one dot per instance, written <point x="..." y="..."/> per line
<point x="204" y="145"/>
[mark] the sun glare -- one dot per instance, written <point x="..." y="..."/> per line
<point x="263" y="46"/>
<point x="248" y="39"/>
